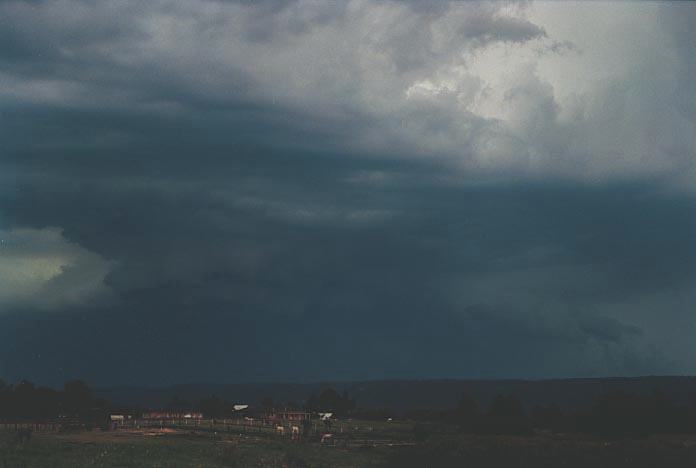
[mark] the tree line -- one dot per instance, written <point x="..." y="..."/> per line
<point x="616" y="414"/>
<point x="25" y="400"/>
<point x="328" y="401"/>
<point x="619" y="414"/>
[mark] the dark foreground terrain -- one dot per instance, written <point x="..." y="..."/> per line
<point x="185" y="448"/>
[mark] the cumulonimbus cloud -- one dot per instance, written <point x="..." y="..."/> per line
<point x="483" y="85"/>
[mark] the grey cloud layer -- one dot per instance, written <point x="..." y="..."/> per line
<point x="480" y="84"/>
<point x="400" y="172"/>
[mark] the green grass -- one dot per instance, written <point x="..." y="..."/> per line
<point x="175" y="450"/>
<point x="444" y="448"/>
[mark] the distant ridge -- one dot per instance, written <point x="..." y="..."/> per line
<point x="402" y="395"/>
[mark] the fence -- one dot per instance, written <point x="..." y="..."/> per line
<point x="37" y="426"/>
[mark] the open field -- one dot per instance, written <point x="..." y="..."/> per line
<point x="153" y="447"/>
<point x="174" y="448"/>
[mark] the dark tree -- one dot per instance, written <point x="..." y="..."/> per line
<point x="312" y="403"/>
<point x="267" y="403"/>
<point x="77" y="397"/>
<point x="506" y="415"/>
<point x="27" y="401"/>
<point x="330" y="401"/>
<point x="214" y="407"/>
<point x="179" y="405"/>
<point x="467" y="415"/>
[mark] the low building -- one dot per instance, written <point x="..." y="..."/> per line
<point x="289" y="415"/>
<point x="172" y="415"/>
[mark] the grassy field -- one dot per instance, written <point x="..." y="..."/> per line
<point x="175" y="449"/>
<point x="186" y="448"/>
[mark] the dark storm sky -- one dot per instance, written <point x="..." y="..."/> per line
<point x="288" y="190"/>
